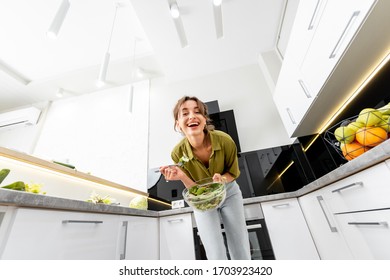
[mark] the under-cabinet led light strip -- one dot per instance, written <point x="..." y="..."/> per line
<point x="356" y="92"/>
<point x="75" y="177"/>
<point x="342" y="107"/>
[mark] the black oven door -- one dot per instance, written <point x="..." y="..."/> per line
<point x="260" y="243"/>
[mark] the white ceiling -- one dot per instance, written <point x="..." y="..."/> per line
<point x="72" y="61"/>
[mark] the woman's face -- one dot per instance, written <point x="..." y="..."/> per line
<point x="190" y="119"/>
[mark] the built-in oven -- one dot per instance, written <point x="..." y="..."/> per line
<point x="260" y="243"/>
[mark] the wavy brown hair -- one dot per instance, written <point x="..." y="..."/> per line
<point x="202" y="109"/>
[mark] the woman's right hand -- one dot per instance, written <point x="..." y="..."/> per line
<point x="171" y="172"/>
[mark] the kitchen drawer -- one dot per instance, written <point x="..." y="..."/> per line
<point x="368" y="189"/>
<point x="37" y="234"/>
<point x="253" y="212"/>
<point x="367" y="233"/>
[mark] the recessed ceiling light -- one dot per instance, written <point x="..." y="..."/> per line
<point x="217" y="2"/>
<point x="175" y="13"/>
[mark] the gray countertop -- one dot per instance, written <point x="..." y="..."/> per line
<point x="22" y="199"/>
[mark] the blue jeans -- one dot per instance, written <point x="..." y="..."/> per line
<point x="231" y="214"/>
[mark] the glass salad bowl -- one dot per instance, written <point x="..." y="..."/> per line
<point x="205" y="195"/>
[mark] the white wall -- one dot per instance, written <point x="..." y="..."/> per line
<point x="96" y="133"/>
<point x="23" y="138"/>
<point x="244" y="90"/>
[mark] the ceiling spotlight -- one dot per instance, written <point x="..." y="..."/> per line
<point x="101" y="81"/>
<point x="175" y="13"/>
<point x="60" y="93"/>
<point x="217" y="2"/>
<point x="58" y="19"/>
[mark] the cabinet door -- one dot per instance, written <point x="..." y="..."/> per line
<point x="139" y="238"/>
<point x="289" y="234"/>
<point x="49" y="234"/>
<point x="307" y="18"/>
<point x="337" y="27"/>
<point x="368" y="189"/>
<point x="176" y="238"/>
<point x="292" y="97"/>
<point x="367" y="233"/>
<point x="326" y="233"/>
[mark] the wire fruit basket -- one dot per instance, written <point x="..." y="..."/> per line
<point x="355" y="135"/>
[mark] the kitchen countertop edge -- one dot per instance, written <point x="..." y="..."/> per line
<point x="21" y="199"/>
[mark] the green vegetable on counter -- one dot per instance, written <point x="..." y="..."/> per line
<point x="16" y="186"/>
<point x="3" y="174"/>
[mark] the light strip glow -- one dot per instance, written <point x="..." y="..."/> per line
<point x="67" y="175"/>
<point x="356" y="92"/>
<point x="281" y="174"/>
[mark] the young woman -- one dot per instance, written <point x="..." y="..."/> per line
<point x="211" y="153"/>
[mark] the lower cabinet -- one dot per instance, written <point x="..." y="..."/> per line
<point x="325" y="231"/>
<point x="288" y="231"/>
<point x="176" y="237"/>
<point x="367" y="233"/>
<point x="138" y="239"/>
<point x="37" y="234"/>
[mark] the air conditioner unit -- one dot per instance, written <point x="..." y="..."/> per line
<point x="20" y="117"/>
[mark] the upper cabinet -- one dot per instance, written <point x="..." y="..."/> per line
<point x="322" y="33"/>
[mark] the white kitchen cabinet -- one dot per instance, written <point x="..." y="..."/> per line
<point x="367" y="233"/>
<point x="176" y="237"/>
<point x="366" y="190"/>
<point x="324" y="229"/>
<point x="138" y="238"/>
<point x="291" y="97"/>
<point x="338" y="24"/>
<point x="49" y="234"/>
<point x="346" y="218"/>
<point x="322" y="32"/>
<point x="289" y="234"/>
<point x="6" y="214"/>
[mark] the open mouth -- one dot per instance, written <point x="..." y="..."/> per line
<point x="193" y="124"/>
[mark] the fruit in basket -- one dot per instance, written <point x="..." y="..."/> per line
<point x="371" y="136"/>
<point x="369" y="116"/>
<point x="355" y="125"/>
<point x="344" y="134"/>
<point x="352" y="150"/>
<point x="385" y="110"/>
<point x="385" y="124"/>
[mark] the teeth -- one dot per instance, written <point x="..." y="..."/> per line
<point x="193" y="124"/>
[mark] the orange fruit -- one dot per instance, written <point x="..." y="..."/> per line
<point x="371" y="136"/>
<point x="352" y="150"/>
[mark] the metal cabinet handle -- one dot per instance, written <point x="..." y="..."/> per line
<point x="81" y="222"/>
<point x="348" y="186"/>
<point x="269" y="160"/>
<point x="122" y="256"/>
<point x="304" y="88"/>
<point x="345" y="31"/>
<point x="175" y="220"/>
<point x="385" y="224"/>
<point x="311" y="23"/>
<point x="332" y="228"/>
<point x="290" y="115"/>
<point x="281" y="205"/>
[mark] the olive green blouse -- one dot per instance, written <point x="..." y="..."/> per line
<point x="223" y="157"/>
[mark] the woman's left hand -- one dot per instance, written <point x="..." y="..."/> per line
<point x="219" y="178"/>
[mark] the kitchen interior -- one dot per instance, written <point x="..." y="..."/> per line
<point x="89" y="113"/>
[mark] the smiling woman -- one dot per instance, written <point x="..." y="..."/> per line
<point x="211" y="154"/>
